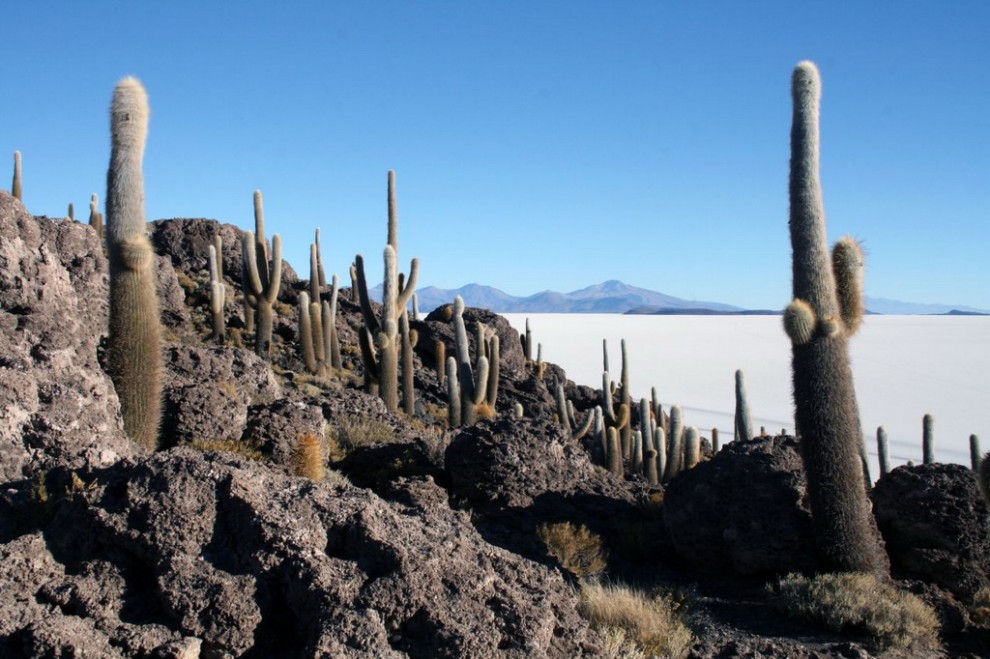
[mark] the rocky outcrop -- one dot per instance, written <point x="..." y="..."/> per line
<point x="186" y="548"/>
<point x="57" y="406"/>
<point x="936" y="525"/>
<point x="744" y="510"/>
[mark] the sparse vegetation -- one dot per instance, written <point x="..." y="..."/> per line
<point x="577" y="549"/>
<point x="249" y="450"/>
<point x="634" y="623"/>
<point x="859" y="602"/>
<point x="357" y="431"/>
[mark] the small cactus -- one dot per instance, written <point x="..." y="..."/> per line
<point x="883" y="451"/>
<point x="974" y="452"/>
<point x="928" y="439"/>
<point x="309" y="460"/>
<point x="218" y="292"/>
<point x="744" y="419"/>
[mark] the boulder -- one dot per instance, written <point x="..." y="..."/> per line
<point x="57" y="406"/>
<point x="743" y="511"/>
<point x="936" y="525"/>
<point x="185" y="548"/>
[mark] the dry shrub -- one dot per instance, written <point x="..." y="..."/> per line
<point x="860" y="602"/>
<point x="249" y="450"/>
<point x="633" y="624"/>
<point x="979" y="610"/>
<point x="578" y="550"/>
<point x="308" y="459"/>
<point x="357" y="431"/>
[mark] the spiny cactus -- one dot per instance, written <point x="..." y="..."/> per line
<point x="218" y="292"/>
<point x="819" y="321"/>
<point x="692" y="448"/>
<point x="330" y="328"/>
<point x="261" y="279"/>
<point x="16" y="187"/>
<point x="308" y="354"/>
<point x="928" y="439"/>
<point x="409" y="338"/>
<point x="974" y="452"/>
<point x="308" y="458"/>
<point x="134" y="355"/>
<point x="744" y="419"/>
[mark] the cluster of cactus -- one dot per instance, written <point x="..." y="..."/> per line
<point x="318" y="340"/>
<point x="826" y="310"/>
<point x="568" y="417"/>
<point x="471" y="391"/>
<point x="95" y="216"/>
<point x="261" y="277"/>
<point x="380" y="338"/>
<point x="134" y="353"/>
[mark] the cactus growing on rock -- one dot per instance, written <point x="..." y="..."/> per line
<point x="218" y="292"/>
<point x="819" y="321"/>
<point x="134" y="354"/>
<point x="928" y="439"/>
<point x="472" y="386"/>
<point x="261" y="279"/>
<point x="95" y="216"/>
<point x="883" y="451"/>
<point x="744" y="419"/>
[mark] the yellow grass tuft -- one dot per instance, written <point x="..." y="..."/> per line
<point x="631" y="621"/>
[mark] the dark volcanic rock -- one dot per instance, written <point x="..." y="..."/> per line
<point x="185" y="547"/>
<point x="57" y="406"/>
<point x="744" y="510"/>
<point x="936" y="526"/>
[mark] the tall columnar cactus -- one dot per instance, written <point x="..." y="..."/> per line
<point x="306" y="349"/>
<point x="675" y="446"/>
<point x="72" y="212"/>
<point x="692" y="448"/>
<point x="135" y="353"/>
<point x="826" y="310"/>
<point x="408" y="338"/>
<point x="261" y="279"/>
<point x="218" y="292"/>
<point x="974" y="452"/>
<point x="928" y="439"/>
<point x="16" y="187"/>
<point x="744" y="419"/>
<point x="382" y="363"/>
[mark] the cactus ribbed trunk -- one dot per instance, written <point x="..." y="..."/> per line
<point x="134" y="354"/>
<point x="826" y="416"/>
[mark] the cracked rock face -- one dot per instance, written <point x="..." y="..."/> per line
<point x="186" y="548"/>
<point x="57" y="406"/>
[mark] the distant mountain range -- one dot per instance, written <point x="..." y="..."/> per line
<point x="617" y="297"/>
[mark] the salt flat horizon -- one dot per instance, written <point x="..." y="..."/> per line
<point x="904" y="367"/>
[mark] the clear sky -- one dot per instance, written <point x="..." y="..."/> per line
<point x="538" y="145"/>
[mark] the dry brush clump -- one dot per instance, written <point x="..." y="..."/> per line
<point x="578" y="550"/>
<point x="631" y="621"/>
<point x="859" y="602"/>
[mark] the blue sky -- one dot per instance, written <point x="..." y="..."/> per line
<point x="538" y="145"/>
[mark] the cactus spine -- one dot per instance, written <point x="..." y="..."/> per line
<point x="826" y="416"/>
<point x="16" y="187"/>
<point x="134" y="354"/>
<point x="261" y="280"/>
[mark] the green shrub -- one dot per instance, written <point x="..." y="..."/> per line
<point x="859" y="602"/>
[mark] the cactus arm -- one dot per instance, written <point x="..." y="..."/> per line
<point x="249" y="267"/>
<point x="275" y="276"/>
<point x="306" y="333"/>
<point x="357" y="272"/>
<point x="494" y="372"/>
<point x="453" y="394"/>
<point x="410" y="286"/>
<point x="848" y="264"/>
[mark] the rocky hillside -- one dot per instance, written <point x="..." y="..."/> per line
<point x="407" y="538"/>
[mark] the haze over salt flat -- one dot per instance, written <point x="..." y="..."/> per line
<point x="904" y="367"/>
